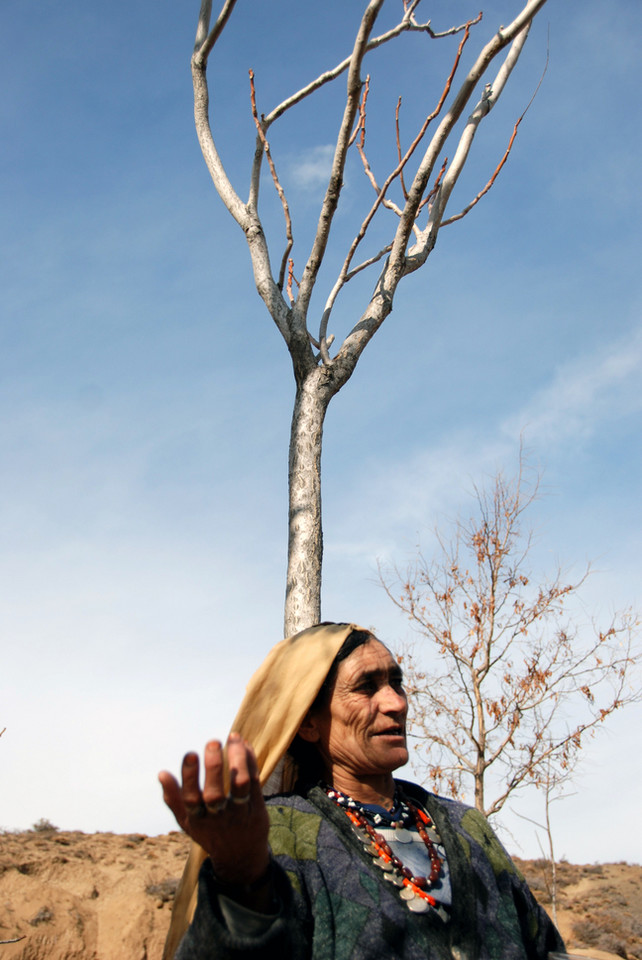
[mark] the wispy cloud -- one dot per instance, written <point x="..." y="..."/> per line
<point x="404" y="499"/>
<point x="583" y="394"/>
<point x="311" y="169"/>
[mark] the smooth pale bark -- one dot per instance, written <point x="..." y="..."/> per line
<point x="305" y="534"/>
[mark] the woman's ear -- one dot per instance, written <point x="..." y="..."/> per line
<point x="309" y="730"/>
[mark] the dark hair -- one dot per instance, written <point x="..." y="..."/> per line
<point x="305" y="754"/>
<point x="354" y="640"/>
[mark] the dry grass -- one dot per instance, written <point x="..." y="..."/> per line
<point x="599" y="906"/>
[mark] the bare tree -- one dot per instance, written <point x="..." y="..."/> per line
<point x="505" y="685"/>
<point x="554" y="779"/>
<point x="415" y="193"/>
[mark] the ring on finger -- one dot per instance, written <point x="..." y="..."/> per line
<point x="215" y="807"/>
<point x="195" y="810"/>
<point x="240" y="800"/>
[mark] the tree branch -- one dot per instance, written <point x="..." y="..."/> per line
<point x="498" y="168"/>
<point x="333" y="190"/>
<point x="407" y="24"/>
<point x="400" y="263"/>
<point x="277" y="185"/>
<point x="203" y="46"/>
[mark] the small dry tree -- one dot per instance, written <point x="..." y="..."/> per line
<point x="505" y="684"/>
<point x="413" y="193"/>
<point x="553" y="782"/>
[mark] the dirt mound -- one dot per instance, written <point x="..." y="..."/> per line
<point x="74" y="895"/>
<point x="103" y="896"/>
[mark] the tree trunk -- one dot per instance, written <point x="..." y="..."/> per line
<point x="479" y="785"/>
<point x="305" y="538"/>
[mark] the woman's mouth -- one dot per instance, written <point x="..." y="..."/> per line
<point x="392" y="732"/>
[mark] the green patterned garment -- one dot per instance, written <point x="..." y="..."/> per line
<point x="335" y="904"/>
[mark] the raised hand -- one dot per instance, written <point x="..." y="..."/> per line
<point x="232" y="828"/>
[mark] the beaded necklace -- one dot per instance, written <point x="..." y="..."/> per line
<point x="412" y="889"/>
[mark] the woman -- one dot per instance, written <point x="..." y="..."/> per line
<point x="358" y="865"/>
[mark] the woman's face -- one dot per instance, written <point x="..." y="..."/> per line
<point x="362" y="730"/>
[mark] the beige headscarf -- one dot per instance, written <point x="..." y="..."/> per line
<point x="276" y="702"/>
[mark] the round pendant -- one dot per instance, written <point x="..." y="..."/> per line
<point x="403" y="835"/>
<point x="407" y="894"/>
<point x="433" y="835"/>
<point x="371" y="850"/>
<point x="418" y="905"/>
<point x="386" y="867"/>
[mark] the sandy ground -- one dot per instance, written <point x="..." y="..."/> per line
<point x="108" y="897"/>
<point x="75" y="895"/>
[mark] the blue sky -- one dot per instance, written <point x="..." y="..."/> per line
<point x="145" y="395"/>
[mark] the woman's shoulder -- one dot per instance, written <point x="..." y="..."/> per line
<point x="414" y="792"/>
<point x="295" y="824"/>
<point x="292" y="808"/>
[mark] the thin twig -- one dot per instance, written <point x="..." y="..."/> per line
<point x="345" y="273"/>
<point x="413" y="146"/>
<point x="484" y="191"/>
<point x="407" y="24"/>
<point x="401" y="179"/>
<point x="291" y="278"/>
<point x="367" y="263"/>
<point x="277" y="184"/>
<point x="360" y="126"/>
<point x="430" y="197"/>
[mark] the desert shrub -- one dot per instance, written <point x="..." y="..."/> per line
<point x="44" y="826"/>
<point x="612" y="896"/>
<point x="612" y="944"/>
<point x="165" y="890"/>
<point x="607" y="930"/>
<point x="567" y="874"/>
<point x="44" y="915"/>
<point x="536" y="884"/>
<point x="587" y="931"/>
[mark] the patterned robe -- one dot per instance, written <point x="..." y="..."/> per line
<point x="335" y="904"/>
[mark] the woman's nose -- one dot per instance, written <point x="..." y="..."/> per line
<point x="392" y="701"/>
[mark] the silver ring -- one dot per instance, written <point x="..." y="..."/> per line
<point x="240" y="800"/>
<point x="215" y="807"/>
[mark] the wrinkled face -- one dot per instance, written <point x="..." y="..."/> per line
<point x="362" y="730"/>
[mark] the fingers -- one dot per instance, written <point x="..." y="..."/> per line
<point x="214" y="788"/>
<point x="240" y="765"/>
<point x="191" y="790"/>
<point x="172" y="794"/>
<point x="232" y="827"/>
<point x="187" y="802"/>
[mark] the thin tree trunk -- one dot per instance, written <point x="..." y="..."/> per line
<point x="549" y="833"/>
<point x="479" y="784"/>
<point x="305" y="537"/>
